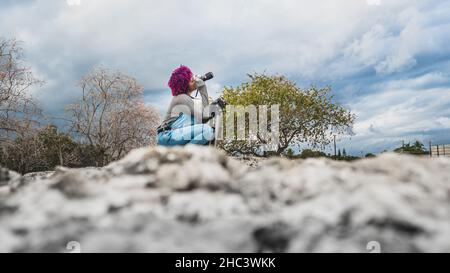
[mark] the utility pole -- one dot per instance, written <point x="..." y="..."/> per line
<point x="431" y="153"/>
<point x="334" y="140"/>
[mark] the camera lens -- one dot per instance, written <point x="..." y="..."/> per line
<point x="207" y="76"/>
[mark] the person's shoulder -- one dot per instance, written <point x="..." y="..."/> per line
<point x="182" y="97"/>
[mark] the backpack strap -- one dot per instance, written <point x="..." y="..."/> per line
<point x="166" y="125"/>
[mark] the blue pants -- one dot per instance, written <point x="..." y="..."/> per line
<point x="184" y="131"/>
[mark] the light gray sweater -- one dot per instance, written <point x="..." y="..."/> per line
<point x="185" y="104"/>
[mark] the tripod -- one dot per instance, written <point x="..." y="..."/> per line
<point x="215" y="119"/>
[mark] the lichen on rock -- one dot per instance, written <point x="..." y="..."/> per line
<point x="197" y="199"/>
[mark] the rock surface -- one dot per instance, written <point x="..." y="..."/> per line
<point x="196" y="199"/>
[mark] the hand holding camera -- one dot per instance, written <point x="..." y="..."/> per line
<point x="221" y="102"/>
<point x="206" y="77"/>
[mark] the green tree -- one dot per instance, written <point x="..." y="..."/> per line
<point x="58" y="148"/>
<point x="417" y="148"/>
<point x="306" y="115"/>
<point x="344" y="153"/>
<point x="308" y="153"/>
<point x="289" y="152"/>
<point x="42" y="151"/>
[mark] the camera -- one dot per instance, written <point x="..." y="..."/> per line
<point x="204" y="78"/>
<point x="221" y="102"/>
<point x="207" y="76"/>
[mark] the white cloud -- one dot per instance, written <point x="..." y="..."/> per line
<point x="402" y="110"/>
<point x="420" y="82"/>
<point x="233" y="37"/>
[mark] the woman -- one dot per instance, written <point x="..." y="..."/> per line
<point x="183" y="121"/>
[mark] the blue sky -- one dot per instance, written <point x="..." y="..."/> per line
<point x="387" y="61"/>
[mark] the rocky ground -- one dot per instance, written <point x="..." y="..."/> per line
<point x="196" y="199"/>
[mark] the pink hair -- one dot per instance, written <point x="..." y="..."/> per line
<point x="179" y="80"/>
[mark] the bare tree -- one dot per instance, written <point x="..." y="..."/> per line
<point x="111" y="115"/>
<point x="18" y="110"/>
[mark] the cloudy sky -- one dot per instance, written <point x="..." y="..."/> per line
<point x="388" y="61"/>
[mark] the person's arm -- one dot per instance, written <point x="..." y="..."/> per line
<point x="207" y="114"/>
<point x="201" y="87"/>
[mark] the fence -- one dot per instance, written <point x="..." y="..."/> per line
<point x="442" y="150"/>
